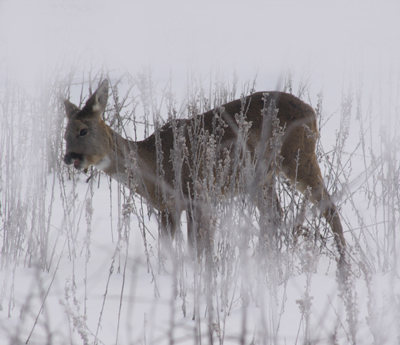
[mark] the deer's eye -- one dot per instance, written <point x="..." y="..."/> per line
<point x="82" y="132"/>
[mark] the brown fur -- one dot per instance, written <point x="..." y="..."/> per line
<point x="101" y="146"/>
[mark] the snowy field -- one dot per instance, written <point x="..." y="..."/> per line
<point x="80" y="255"/>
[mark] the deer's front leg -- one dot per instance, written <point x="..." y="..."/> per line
<point x="270" y="209"/>
<point x="170" y="220"/>
<point x="199" y="228"/>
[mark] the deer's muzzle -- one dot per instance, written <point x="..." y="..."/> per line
<point x="72" y="157"/>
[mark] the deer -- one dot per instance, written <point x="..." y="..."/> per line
<point x="242" y="131"/>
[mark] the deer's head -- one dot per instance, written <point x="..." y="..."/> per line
<point x="87" y="137"/>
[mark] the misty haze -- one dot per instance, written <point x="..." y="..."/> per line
<point x="198" y="240"/>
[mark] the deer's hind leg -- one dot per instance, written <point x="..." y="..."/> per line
<point x="308" y="174"/>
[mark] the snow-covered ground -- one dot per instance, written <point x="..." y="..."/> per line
<point x="98" y="288"/>
<point x="74" y="270"/>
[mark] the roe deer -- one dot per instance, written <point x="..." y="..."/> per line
<point x="141" y="165"/>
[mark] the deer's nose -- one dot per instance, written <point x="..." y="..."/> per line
<point x="67" y="159"/>
<point x="71" y="157"/>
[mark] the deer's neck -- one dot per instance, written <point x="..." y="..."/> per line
<point x="129" y="162"/>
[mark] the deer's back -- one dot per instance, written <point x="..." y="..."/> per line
<point x="222" y="124"/>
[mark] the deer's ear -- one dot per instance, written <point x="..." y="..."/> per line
<point x="98" y="101"/>
<point x="70" y="108"/>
